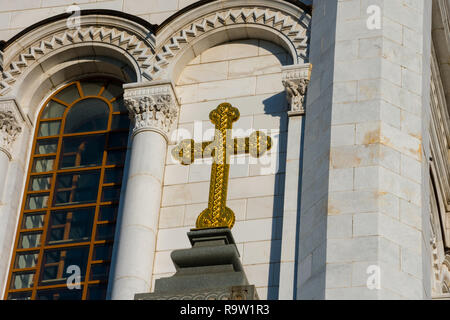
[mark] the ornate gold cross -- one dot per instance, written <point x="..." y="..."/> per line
<point x="220" y="149"/>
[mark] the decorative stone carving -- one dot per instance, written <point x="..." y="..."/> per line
<point x="295" y="80"/>
<point x="152" y="60"/>
<point x="440" y="132"/>
<point x="210" y="270"/>
<point x="229" y="293"/>
<point x="152" y="107"/>
<point x="140" y="49"/>
<point x="10" y="127"/>
<point x="292" y="29"/>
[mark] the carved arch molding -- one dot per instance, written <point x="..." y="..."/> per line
<point x="152" y="52"/>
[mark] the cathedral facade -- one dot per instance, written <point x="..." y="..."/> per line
<point x="336" y="113"/>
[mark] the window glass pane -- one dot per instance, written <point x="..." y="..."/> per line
<point x="105" y="231"/>
<point x="120" y="121"/>
<point x="32" y="221"/>
<point x="97" y="292"/>
<point x="116" y="157"/>
<point x="29" y="240"/>
<point x="43" y="165"/>
<point x="91" y="88"/>
<point x="49" y="128"/>
<point x="119" y="105"/>
<point x="87" y="115"/>
<point x="113" y="90"/>
<point x="111" y="193"/>
<point x="86" y="142"/>
<point x="99" y="271"/>
<point x="107" y="213"/>
<point x="60" y="294"/>
<point x="75" y="188"/>
<point x="69" y="94"/>
<point x="70" y="226"/>
<point x="57" y="262"/>
<point x="46" y="146"/>
<point x="53" y="110"/>
<point x="22" y="280"/>
<point x="113" y="175"/>
<point x="26" y="260"/>
<point x="118" y="139"/>
<point x="36" y="201"/>
<point x="82" y="151"/>
<point x="38" y="183"/>
<point x="20" y="295"/>
<point x="102" y="252"/>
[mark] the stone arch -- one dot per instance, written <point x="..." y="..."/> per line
<point x="65" y="65"/>
<point x="101" y="43"/>
<point x="199" y="29"/>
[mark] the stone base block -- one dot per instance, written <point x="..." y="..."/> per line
<point x="210" y="270"/>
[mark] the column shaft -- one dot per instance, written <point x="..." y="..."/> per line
<point x="138" y="226"/>
<point x="154" y="110"/>
<point x="11" y="126"/>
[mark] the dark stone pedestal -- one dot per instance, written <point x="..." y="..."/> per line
<point x="210" y="270"/>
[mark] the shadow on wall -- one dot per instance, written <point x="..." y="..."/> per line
<point x="272" y="107"/>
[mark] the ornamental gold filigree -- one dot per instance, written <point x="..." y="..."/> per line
<point x="220" y="149"/>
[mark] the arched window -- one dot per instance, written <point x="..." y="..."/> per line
<point x="67" y="224"/>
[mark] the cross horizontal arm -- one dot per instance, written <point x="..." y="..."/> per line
<point x="188" y="150"/>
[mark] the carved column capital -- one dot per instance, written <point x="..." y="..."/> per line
<point x="295" y="81"/>
<point x="10" y="125"/>
<point x="152" y="106"/>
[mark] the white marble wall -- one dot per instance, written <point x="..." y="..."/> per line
<point x="364" y="190"/>
<point x="246" y="74"/>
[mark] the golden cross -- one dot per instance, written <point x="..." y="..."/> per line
<point x="220" y="149"/>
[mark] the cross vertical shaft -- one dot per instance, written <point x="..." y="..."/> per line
<point x="218" y="214"/>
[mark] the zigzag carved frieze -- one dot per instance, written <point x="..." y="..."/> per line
<point x="139" y="49"/>
<point x="152" y="64"/>
<point x="291" y="27"/>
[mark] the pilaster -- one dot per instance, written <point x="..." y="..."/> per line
<point x="12" y="126"/>
<point x="295" y="79"/>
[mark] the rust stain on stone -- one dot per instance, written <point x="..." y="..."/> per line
<point x="417" y="152"/>
<point x="332" y="211"/>
<point x="380" y="194"/>
<point x="368" y="91"/>
<point x="340" y="159"/>
<point x="372" y="137"/>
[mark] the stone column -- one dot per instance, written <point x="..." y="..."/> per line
<point x="154" y="110"/>
<point x="364" y="224"/>
<point x="295" y="80"/>
<point x="11" y="122"/>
